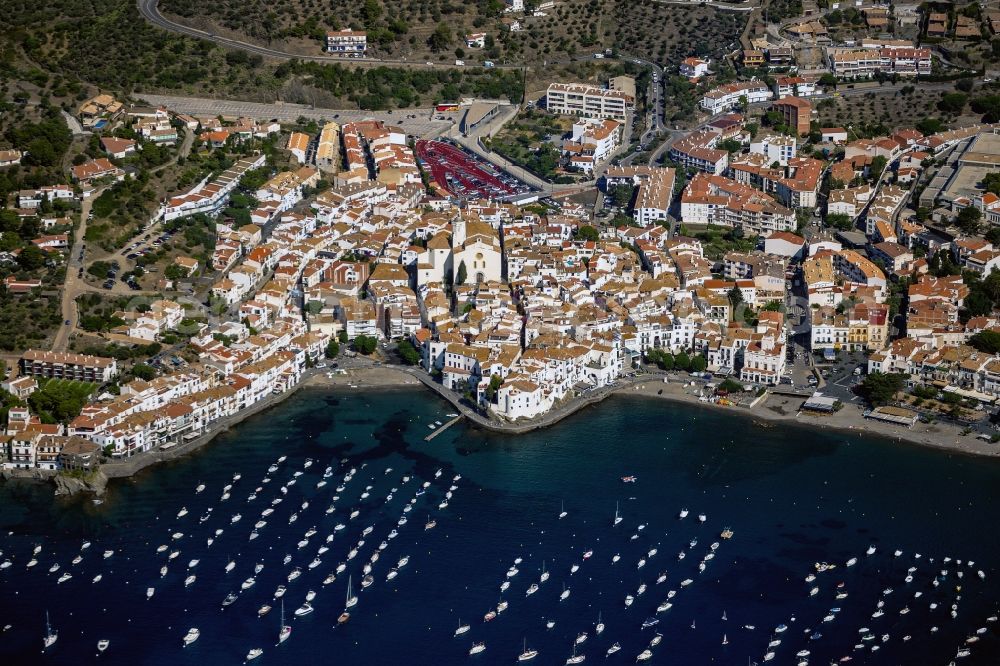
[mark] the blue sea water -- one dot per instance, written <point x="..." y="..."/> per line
<point x="792" y="496"/>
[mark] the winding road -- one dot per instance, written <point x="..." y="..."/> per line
<point x="150" y="12"/>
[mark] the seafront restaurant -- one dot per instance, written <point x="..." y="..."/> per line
<point x="819" y="403"/>
<point x="897" y="415"/>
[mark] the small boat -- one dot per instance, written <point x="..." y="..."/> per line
<point x="150" y="591"/>
<point x="430" y="524"/>
<point x="526" y="654"/>
<point x="295" y="573"/>
<point x="280" y="592"/>
<point x="629" y="479"/>
<point x="462" y="628"/>
<point x="645" y="655"/>
<point x="254" y="653"/>
<point x="248" y="583"/>
<point x="650" y="622"/>
<point x="565" y="593"/>
<point x="575" y="658"/>
<point x="192" y="635"/>
<point x="189" y="580"/>
<point x="562" y="510"/>
<point x="477" y="648"/>
<point x="108" y="553"/>
<point x="97" y="578"/>
<point x="581" y="637"/>
<point x="851" y="562"/>
<point x="614" y="648"/>
<point x="103" y="644"/>
<point x="870" y="551"/>
<point x="702" y="517"/>
<point x="303" y="610"/>
<point x="183" y="512"/>
<point x="664" y="607"/>
<point x="263" y="610"/>
<point x="65" y="577"/>
<point x="50" y="634"/>
<point x="683" y="514"/>
<point x="229" y="600"/>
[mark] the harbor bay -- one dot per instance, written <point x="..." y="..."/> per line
<point x="485" y="515"/>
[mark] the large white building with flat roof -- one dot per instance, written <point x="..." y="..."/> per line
<point x="580" y="99"/>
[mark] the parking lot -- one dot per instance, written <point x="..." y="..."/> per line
<point x="463" y="174"/>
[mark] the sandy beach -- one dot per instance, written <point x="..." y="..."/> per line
<point x="849" y="420"/>
<point x="770" y="412"/>
<point x="380" y="377"/>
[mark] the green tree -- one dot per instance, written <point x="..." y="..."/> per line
<point x="143" y="371"/>
<point x="494" y="386"/>
<point x="588" y="233"/>
<point x="986" y="341"/>
<point x="698" y="363"/>
<point x="840" y="221"/>
<point x="953" y="103"/>
<point x="407" y="352"/>
<point x="879" y="388"/>
<point x="365" y="344"/>
<point x="342" y="336"/>
<point x="969" y="219"/>
<point x="332" y="349"/>
<point x="31" y="258"/>
<point x="462" y="275"/>
<point x="682" y="361"/>
<point x="440" y="38"/>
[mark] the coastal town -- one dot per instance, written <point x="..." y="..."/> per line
<point x="747" y="252"/>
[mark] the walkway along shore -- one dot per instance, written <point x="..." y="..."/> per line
<point x="772" y="409"/>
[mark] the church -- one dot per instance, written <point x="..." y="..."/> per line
<point x="477" y="245"/>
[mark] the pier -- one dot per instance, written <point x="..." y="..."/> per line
<point x="440" y="430"/>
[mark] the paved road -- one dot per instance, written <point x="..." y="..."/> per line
<point x="150" y="12"/>
<point x="422" y="125"/>
<point x="73" y="286"/>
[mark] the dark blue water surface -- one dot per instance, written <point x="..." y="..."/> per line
<point x="792" y="496"/>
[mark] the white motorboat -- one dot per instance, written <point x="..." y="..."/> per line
<point x="254" y="653"/>
<point x="683" y="513"/>
<point x="462" y="628"/>
<point x="565" y="594"/>
<point x="230" y="566"/>
<point x="702" y="517"/>
<point x="193" y="563"/>
<point x="303" y="610"/>
<point x="477" y="648"/>
<point x="599" y="627"/>
<point x="97" y="578"/>
<point x="645" y="655"/>
<point x="103" y="645"/>
<point x="183" y="512"/>
<point x="189" y="580"/>
<point x="614" y="648"/>
<point x="108" y="553"/>
<point x="870" y="551"/>
<point x="295" y="573"/>
<point x="150" y="591"/>
<point x="280" y="592"/>
<point x="192" y="635"/>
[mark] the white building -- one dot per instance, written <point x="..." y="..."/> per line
<point x="694" y="68"/>
<point x="727" y="97"/>
<point x="349" y="43"/>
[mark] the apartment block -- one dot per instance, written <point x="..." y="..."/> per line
<point x="579" y="99"/>
<point x="58" y="365"/>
